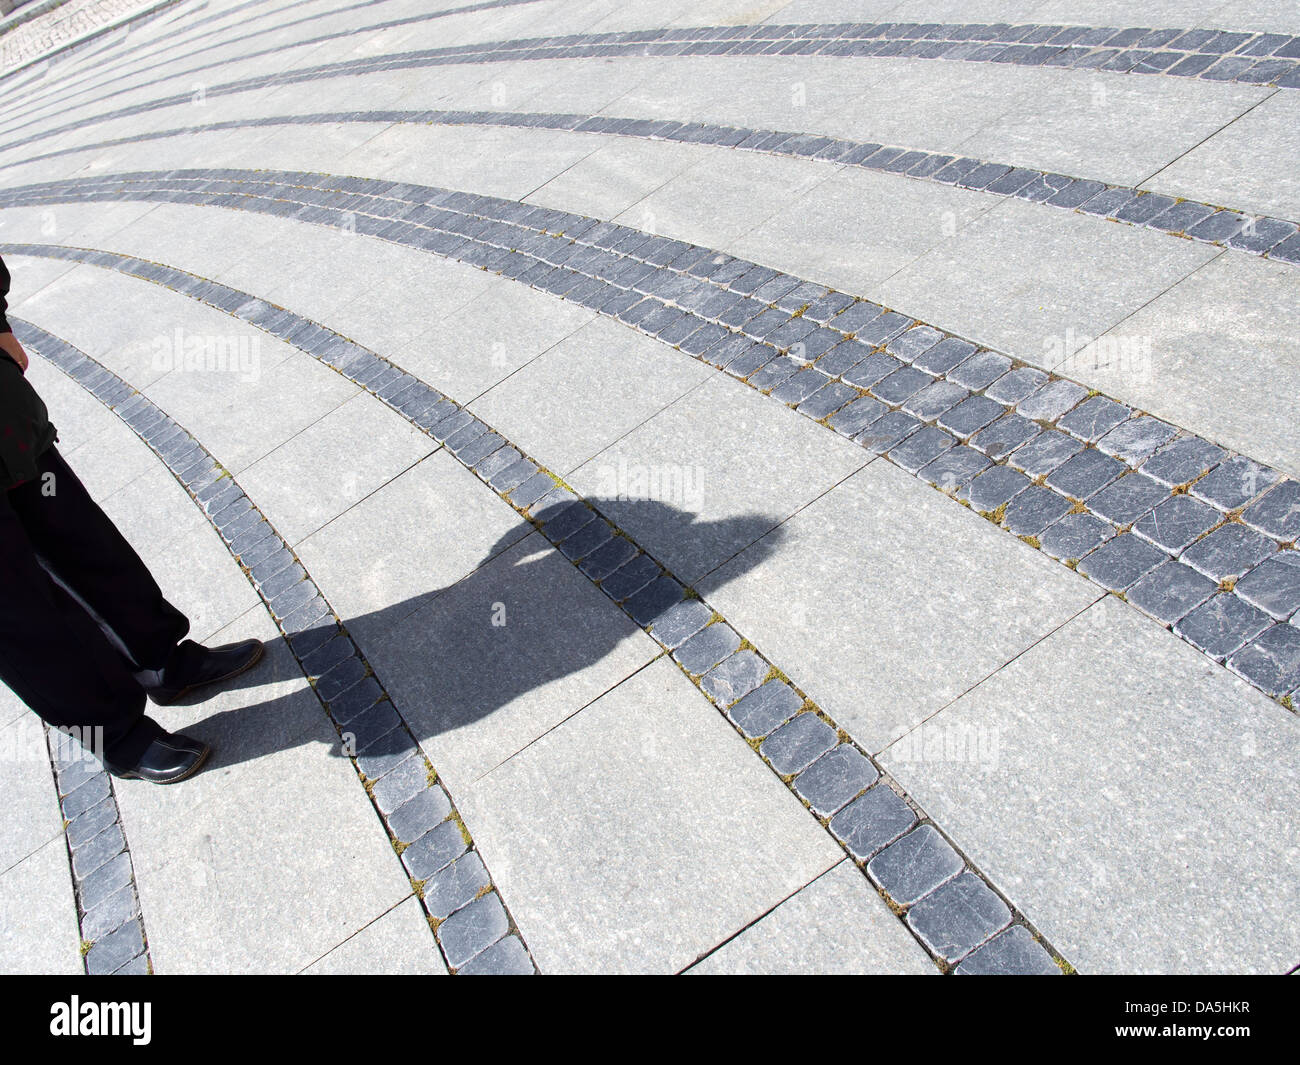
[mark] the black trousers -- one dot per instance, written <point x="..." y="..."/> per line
<point x="54" y="653"/>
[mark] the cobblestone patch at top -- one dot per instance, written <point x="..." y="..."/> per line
<point x="1128" y="500"/>
<point x="62" y="24"/>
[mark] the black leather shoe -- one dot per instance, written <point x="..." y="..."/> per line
<point x="216" y="664"/>
<point x="170" y="758"/>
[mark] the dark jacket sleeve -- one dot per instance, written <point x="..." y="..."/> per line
<point x="4" y="291"/>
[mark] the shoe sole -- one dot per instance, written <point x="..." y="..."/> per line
<point x="174" y="699"/>
<point x="131" y="774"/>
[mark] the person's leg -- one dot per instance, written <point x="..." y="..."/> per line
<point x="56" y="658"/>
<point x="80" y="544"/>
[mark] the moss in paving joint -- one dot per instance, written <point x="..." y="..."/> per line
<point x="1065" y="966"/>
<point x="418" y="887"/>
<point x="464" y="832"/>
<point x="486" y="889"/>
<point x="430" y="775"/>
<point x="997" y="514"/>
<point x="86" y="944"/>
<point x="1079" y="507"/>
<point x="1032" y="541"/>
<point x="399" y="846"/>
<point x="1072" y="563"/>
<point x="775" y="674"/>
<point x="1287" y="703"/>
<point x="745" y="645"/>
<point x="1227" y="584"/>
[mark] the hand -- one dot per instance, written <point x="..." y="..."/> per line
<point x="9" y="346"/>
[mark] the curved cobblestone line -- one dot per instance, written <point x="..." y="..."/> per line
<point x="1200" y="539"/>
<point x="113" y="939"/>
<point x="1263" y="235"/>
<point x="471" y="925"/>
<point x="64" y="97"/>
<point x="1257" y="58"/>
<point x="953" y="910"/>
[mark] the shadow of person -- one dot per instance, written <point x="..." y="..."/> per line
<point x="524" y="631"/>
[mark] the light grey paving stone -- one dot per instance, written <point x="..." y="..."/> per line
<point x="1116" y="727"/>
<point x="1271" y="661"/>
<point x="836" y="777"/>
<point x="707" y="648"/>
<point x="38" y="917"/>
<point x="1170" y="591"/>
<point x="958" y="917"/>
<point x="1127" y="499"/>
<point x="663" y="833"/>
<point x="1014" y="952"/>
<point x="872" y="821"/>
<point x="470" y="931"/>
<point x="506" y="957"/>
<point x="1222" y="625"/>
<point x="734" y="677"/>
<point x="1121" y="562"/>
<point x="1229" y="551"/>
<point x="874" y="676"/>
<point x="835" y="925"/>
<point x="993" y="488"/>
<point x="913" y="866"/>
<point x="765" y="708"/>
<point x="796" y="745"/>
<point x="1176" y="522"/>
<point x="1274" y="585"/>
<point x="397" y="943"/>
<point x="1075" y="535"/>
<point x="1233" y="483"/>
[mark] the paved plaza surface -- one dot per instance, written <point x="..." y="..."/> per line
<point x="727" y="487"/>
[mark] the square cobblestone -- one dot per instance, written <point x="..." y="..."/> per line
<point x="765" y="708"/>
<point x="1121" y="562"/>
<point x="900" y="385"/>
<point x="1182" y="461"/>
<point x="958" y="917"/>
<point x="912" y="867"/>
<point x="934" y="399"/>
<point x="456" y="886"/>
<point x="798" y="744"/>
<point x="980" y="370"/>
<point x="1278" y="513"/>
<point x="1271" y="661"/>
<point x="1221" y="625"/>
<point x="707" y="648"/>
<point x="872" y="821"/>
<point x="678" y="624"/>
<point x="1274" y="585"/>
<point x="1228" y="552"/>
<point x="887" y="431"/>
<point x="1085" y="474"/>
<point x="994" y="487"/>
<point x="1016" y="385"/>
<point x="1233" y="483"/>
<point x="1171" y="591"/>
<point x="971" y="415"/>
<point x="835" y="778"/>
<point x="1177" y="522"/>
<point x="1044" y="453"/>
<point x="944" y="356"/>
<point x="1094" y="418"/>
<point x="1075" y="535"/>
<point x="952" y="469"/>
<point x="734" y="677"/>
<point x="1034" y="509"/>
<point x="1127" y="499"/>
<point x="1004" y="435"/>
<point x="921" y="447"/>
<point x="857" y="416"/>
<point x="1052" y="400"/>
<point x="1014" y="952"/>
<point x="470" y="931"/>
<point x="419" y="813"/>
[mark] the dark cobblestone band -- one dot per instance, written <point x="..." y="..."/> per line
<point x="1263" y="235"/>
<point x="103" y="877"/>
<point x="946" y="903"/>
<point x="471" y="925"/>
<point x="1266" y="59"/>
<point x="1200" y="539"/>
